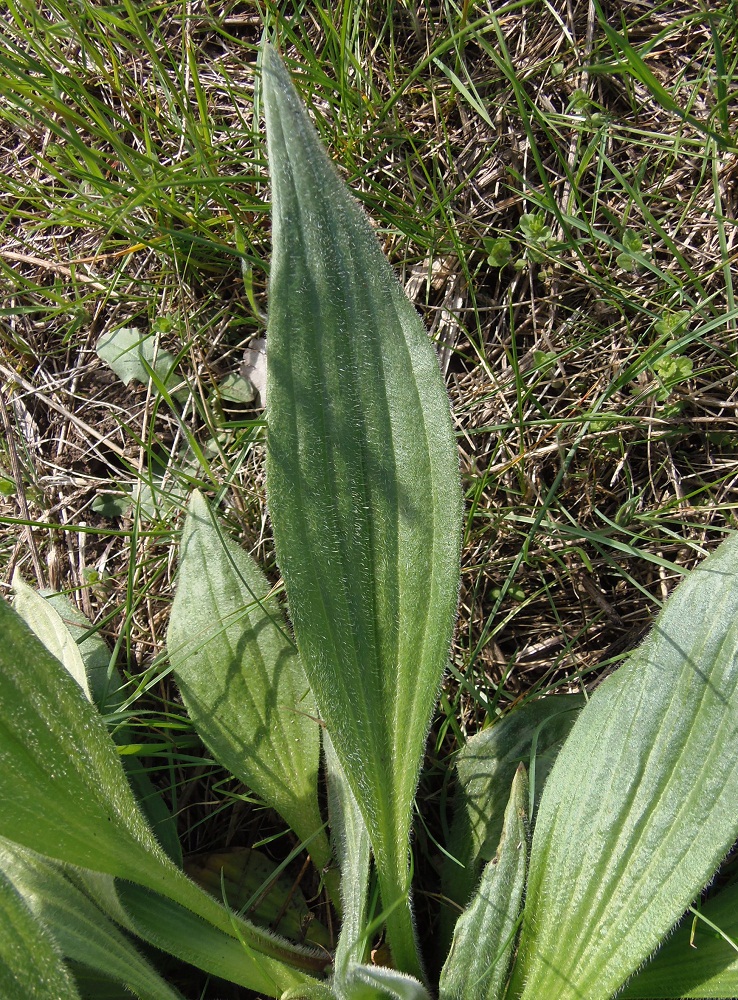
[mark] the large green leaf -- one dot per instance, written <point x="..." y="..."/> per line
<point x="241" y="678"/>
<point x="180" y="932"/>
<point x="479" y="959"/>
<point x="81" y="930"/>
<point x="70" y="798"/>
<point x="642" y="802"/>
<point x="363" y="486"/>
<point x="29" y="963"/>
<point x="698" y="960"/>
<point x="65" y="794"/>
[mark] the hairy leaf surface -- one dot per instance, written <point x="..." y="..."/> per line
<point x="170" y="927"/>
<point x="81" y="930"/>
<point x="642" y="802"/>
<point x="30" y="965"/>
<point x="241" y="678"/>
<point x="363" y="486"/>
<point x="47" y="624"/>
<point x="532" y="735"/>
<point x="353" y="850"/>
<point x="479" y="959"/>
<point x="376" y="982"/>
<point x="103" y="679"/>
<point x="69" y="798"/>
<point x="699" y="960"/>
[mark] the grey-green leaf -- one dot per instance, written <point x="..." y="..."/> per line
<point x="103" y="679"/>
<point x="478" y="963"/>
<point x="47" y="624"/>
<point x="363" y="486"/>
<point x="30" y="965"/>
<point x="376" y="982"/>
<point x="697" y="960"/>
<point x="170" y="927"/>
<point x="241" y="678"/>
<point x="66" y="794"/>
<point x="642" y="802"/>
<point x="353" y="850"/>
<point x="533" y="735"/>
<point x="82" y="932"/>
<point x="131" y="354"/>
<point x="236" y="388"/>
<point x="59" y="769"/>
<point x="106" y="691"/>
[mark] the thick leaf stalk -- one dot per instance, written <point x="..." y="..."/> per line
<point x="363" y="487"/>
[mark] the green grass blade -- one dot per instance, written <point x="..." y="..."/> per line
<point x="479" y="959"/>
<point x="241" y="678"/>
<point x="640" y="71"/>
<point x="29" y="963"/>
<point x="642" y="802"/>
<point x="363" y="487"/>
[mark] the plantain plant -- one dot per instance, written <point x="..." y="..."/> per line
<point x="585" y="830"/>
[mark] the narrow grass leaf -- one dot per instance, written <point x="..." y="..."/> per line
<point x="642" y="802"/>
<point x="478" y="963"/>
<point x="697" y="960"/>
<point x="30" y="965"/>
<point x="241" y="678"/>
<point x="82" y="932"/>
<point x="363" y="487"/>
<point x="639" y="69"/>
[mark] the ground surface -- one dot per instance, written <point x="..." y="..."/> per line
<point x="591" y="358"/>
